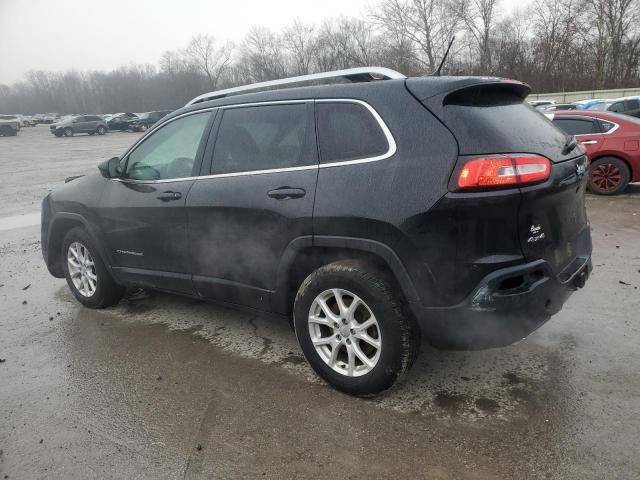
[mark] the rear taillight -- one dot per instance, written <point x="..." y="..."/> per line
<point x="503" y="171"/>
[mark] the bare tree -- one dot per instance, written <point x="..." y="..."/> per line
<point x="210" y="58"/>
<point x="300" y="41"/>
<point x="479" y="18"/>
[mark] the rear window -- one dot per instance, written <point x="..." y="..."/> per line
<point x="348" y="131"/>
<point x="495" y="119"/>
<point x="574" y="126"/>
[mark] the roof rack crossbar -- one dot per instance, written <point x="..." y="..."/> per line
<point x="361" y="74"/>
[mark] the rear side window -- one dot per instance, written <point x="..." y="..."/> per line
<point x="606" y="126"/>
<point x="348" y="131"/>
<point x="261" y="138"/>
<point x="633" y="104"/>
<point x="574" y="126"/>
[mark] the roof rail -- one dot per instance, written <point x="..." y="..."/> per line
<point x="362" y="74"/>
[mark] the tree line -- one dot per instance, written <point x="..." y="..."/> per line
<point x="554" y="45"/>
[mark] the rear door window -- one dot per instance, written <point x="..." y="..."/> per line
<point x="576" y="126"/>
<point x="348" y="131"/>
<point x="262" y="137"/>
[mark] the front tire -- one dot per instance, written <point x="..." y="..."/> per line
<point x="608" y="176"/>
<point x="68" y="132"/>
<point x="87" y="276"/>
<point x="354" y="327"/>
<point x="142" y="128"/>
<point x="101" y="130"/>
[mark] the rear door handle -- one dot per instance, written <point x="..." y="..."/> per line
<point x="286" y="193"/>
<point x="169" y="196"/>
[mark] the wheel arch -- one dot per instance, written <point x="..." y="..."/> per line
<point x="305" y="254"/>
<point x="60" y="225"/>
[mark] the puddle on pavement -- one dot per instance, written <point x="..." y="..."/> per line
<point x="469" y="386"/>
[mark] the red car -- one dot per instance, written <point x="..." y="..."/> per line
<point x="612" y="142"/>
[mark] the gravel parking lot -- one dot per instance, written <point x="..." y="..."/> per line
<point x="166" y="387"/>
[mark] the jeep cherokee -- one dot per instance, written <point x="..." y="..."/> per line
<point x="371" y="212"/>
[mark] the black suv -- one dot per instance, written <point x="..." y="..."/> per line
<point x="147" y="120"/>
<point x="371" y="212"/>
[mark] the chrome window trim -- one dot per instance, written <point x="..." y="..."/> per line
<point x="390" y="140"/>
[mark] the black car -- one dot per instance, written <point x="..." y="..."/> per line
<point x="371" y="212"/>
<point x="122" y="121"/>
<point x="147" y="120"/>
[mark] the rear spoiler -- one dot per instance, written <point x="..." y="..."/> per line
<point x="435" y="92"/>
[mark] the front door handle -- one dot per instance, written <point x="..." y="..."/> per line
<point x="589" y="142"/>
<point x="286" y="193"/>
<point x="169" y="196"/>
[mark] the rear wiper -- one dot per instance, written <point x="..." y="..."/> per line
<point x="569" y="145"/>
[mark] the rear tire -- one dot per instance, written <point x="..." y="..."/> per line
<point x="68" y="132"/>
<point x="101" y="130"/>
<point x="608" y="176"/>
<point x="142" y="128"/>
<point x="338" y="345"/>
<point x="86" y="274"/>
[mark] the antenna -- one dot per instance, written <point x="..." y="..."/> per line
<point x="444" y="59"/>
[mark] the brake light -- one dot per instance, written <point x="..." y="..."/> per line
<point x="503" y="171"/>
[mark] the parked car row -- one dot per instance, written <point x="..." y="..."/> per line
<point x="627" y="106"/>
<point x="69" y="125"/>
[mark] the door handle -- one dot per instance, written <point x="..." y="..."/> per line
<point x="589" y="142"/>
<point x="286" y="193"/>
<point x="169" y="196"/>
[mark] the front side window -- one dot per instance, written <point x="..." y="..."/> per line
<point x="348" y="131"/>
<point x="575" y="126"/>
<point x="261" y="138"/>
<point x="170" y="152"/>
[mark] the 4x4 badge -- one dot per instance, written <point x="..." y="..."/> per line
<point x="536" y="234"/>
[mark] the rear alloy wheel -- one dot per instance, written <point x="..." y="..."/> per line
<point x="101" y="130"/>
<point x="68" y="132"/>
<point x="353" y="327"/>
<point x="608" y="176"/>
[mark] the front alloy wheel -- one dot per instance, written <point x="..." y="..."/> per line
<point x="82" y="269"/>
<point x="344" y="332"/>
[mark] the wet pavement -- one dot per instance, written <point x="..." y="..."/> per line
<point x="167" y="387"/>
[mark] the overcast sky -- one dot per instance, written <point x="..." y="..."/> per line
<point x="103" y="35"/>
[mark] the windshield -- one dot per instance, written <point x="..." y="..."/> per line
<point x="143" y="115"/>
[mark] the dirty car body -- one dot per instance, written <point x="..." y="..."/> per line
<point x="452" y="190"/>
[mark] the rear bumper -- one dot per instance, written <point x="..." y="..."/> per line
<point x="505" y="307"/>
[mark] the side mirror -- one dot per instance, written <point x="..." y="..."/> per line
<point x="110" y="168"/>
